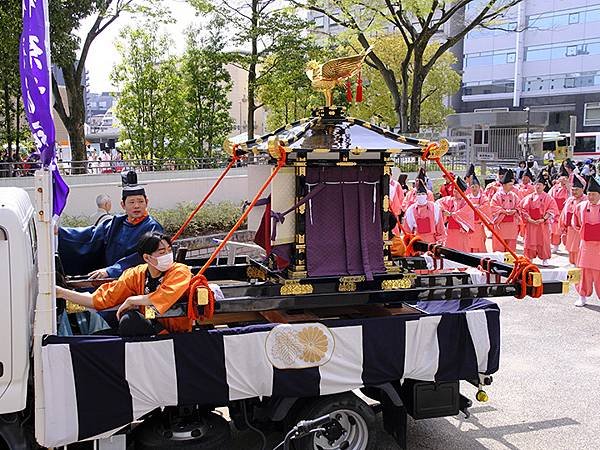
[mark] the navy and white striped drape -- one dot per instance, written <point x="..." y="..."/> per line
<point x="95" y="385"/>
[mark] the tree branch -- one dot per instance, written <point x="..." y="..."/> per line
<point x="429" y="94"/>
<point x="58" y="103"/>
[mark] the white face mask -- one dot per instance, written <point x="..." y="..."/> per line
<point x="421" y="199"/>
<point x="164" y="262"/>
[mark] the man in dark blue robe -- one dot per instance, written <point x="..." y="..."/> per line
<point x="106" y="250"/>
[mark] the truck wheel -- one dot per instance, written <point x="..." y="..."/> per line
<point x="357" y="420"/>
<point x="211" y="432"/>
<point x="14" y="435"/>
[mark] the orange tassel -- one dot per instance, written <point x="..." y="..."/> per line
<point x="349" y="95"/>
<point x="359" y="89"/>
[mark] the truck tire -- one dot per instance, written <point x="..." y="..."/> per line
<point x="213" y="433"/>
<point x="356" y="417"/>
<point x="14" y="435"/>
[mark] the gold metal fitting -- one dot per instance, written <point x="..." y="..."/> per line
<point x="574" y="275"/>
<point x="273" y="147"/>
<point x="74" y="307"/>
<point x="293" y="287"/>
<point x="202" y="296"/>
<point x="437" y="150"/>
<point x="386" y="203"/>
<point x="149" y="312"/>
<point x="508" y="258"/>
<point x="536" y="279"/>
<point x="347" y="287"/>
<point x="256" y="273"/>
<point x="392" y="285"/>
<point x="481" y="396"/>
<point x="228" y="146"/>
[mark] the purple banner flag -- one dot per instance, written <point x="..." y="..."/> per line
<point x="36" y="87"/>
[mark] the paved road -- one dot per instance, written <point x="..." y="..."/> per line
<point x="546" y="394"/>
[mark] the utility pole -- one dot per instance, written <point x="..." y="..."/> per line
<point x="527" y="135"/>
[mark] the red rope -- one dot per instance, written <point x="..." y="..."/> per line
<point x="234" y="159"/>
<point x="409" y="240"/>
<point x="199" y="279"/>
<point x="523" y="268"/>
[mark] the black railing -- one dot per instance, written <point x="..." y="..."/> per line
<point x="27" y="168"/>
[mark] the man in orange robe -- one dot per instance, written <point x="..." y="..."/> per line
<point x="158" y="284"/>
<point x="481" y="202"/>
<point x="560" y="192"/>
<point x="538" y="211"/>
<point x="459" y="219"/>
<point x="504" y="214"/>
<point x="586" y="220"/>
<point x="424" y="217"/>
<point x="570" y="236"/>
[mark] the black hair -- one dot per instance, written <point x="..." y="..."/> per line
<point x="150" y="241"/>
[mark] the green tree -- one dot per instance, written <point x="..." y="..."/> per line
<point x="13" y="129"/>
<point x="150" y="107"/>
<point x="207" y="83"/>
<point x="70" y="54"/>
<point x="420" y="23"/>
<point x="285" y="91"/>
<point x="266" y="32"/>
<point x="440" y="82"/>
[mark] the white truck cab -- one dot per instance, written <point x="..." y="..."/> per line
<point x="18" y="292"/>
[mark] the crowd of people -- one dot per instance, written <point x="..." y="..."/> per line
<point x="547" y="207"/>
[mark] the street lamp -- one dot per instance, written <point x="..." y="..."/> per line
<point x="527" y="135"/>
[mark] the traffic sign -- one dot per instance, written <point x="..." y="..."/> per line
<point x="486" y="156"/>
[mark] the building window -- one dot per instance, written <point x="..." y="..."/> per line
<point x="571" y="50"/>
<point x="591" y="114"/>
<point x="480" y="137"/>
<point x="569" y="82"/>
<point x="573" y="18"/>
<point x="319" y="21"/>
<point x="489" y="58"/>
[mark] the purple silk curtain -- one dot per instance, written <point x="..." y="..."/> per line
<point x="343" y="222"/>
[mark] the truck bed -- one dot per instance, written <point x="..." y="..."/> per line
<point x="95" y="385"/>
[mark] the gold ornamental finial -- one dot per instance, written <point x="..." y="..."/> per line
<point x="325" y="77"/>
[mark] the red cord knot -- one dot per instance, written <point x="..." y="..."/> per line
<point x="199" y="281"/>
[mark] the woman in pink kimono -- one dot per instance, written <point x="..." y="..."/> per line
<point x="396" y="200"/>
<point x="480" y="201"/>
<point x="525" y="187"/>
<point x="504" y="214"/>
<point x="424" y="217"/>
<point x="411" y="196"/>
<point x="560" y="192"/>
<point x="459" y="219"/>
<point x="538" y="211"/>
<point x="570" y="236"/>
<point x="586" y="220"/>
<point x="496" y="186"/>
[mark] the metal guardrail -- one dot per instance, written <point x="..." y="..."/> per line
<point x="27" y="168"/>
<point x="455" y="162"/>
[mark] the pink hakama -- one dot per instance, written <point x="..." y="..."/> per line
<point x="587" y="219"/>
<point x="506" y="224"/>
<point x="537" y="235"/>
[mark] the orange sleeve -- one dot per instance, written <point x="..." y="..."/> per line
<point x="174" y="285"/>
<point x="116" y="292"/>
